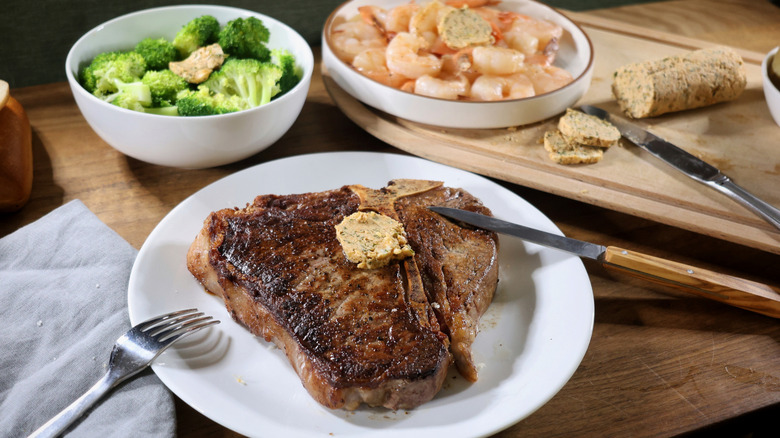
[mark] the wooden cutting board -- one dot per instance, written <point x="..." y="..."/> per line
<point x="739" y="137"/>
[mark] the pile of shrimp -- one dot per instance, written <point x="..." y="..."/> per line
<point x="401" y="47"/>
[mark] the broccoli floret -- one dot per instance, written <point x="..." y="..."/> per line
<point x="87" y="75"/>
<point x="107" y="71"/>
<point x="157" y="52"/>
<point x="205" y="103"/>
<point x="253" y="81"/>
<point x="134" y="96"/>
<point x="163" y="111"/>
<point x="127" y="102"/>
<point x="198" y="32"/>
<point x="245" y="38"/>
<point x="164" y="86"/>
<point x="291" y="73"/>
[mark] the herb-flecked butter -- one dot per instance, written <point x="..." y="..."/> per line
<point x="675" y="83"/>
<point x="372" y="240"/>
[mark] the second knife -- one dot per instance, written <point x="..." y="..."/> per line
<point x="688" y="164"/>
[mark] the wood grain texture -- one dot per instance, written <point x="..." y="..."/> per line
<point x="660" y="362"/>
<point x="750" y="25"/>
<point x="734" y="291"/>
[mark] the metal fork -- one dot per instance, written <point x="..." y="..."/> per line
<point x="132" y="353"/>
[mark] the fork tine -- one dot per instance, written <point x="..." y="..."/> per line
<point x="187" y="329"/>
<point x="157" y="320"/>
<point x="171" y="323"/>
<point x="163" y="331"/>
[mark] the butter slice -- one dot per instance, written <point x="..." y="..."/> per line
<point x="199" y="65"/>
<point x="461" y="28"/>
<point x="585" y="129"/>
<point x="372" y="240"/>
<point x="563" y="152"/>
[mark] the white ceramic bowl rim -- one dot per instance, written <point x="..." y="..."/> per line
<point x="588" y="67"/>
<point x="186" y="142"/>
<point x="771" y="90"/>
<point x="765" y="63"/>
<point x="72" y="70"/>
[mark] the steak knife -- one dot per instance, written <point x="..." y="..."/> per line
<point x="738" y="292"/>
<point x="688" y="164"/>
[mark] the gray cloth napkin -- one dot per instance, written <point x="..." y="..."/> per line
<point x="63" y="304"/>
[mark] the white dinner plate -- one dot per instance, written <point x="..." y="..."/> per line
<point x="531" y="339"/>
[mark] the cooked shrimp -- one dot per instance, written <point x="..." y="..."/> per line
<point x="545" y="57"/>
<point x="439" y="47"/>
<point x="456" y="63"/>
<point x="375" y="16"/>
<point x="372" y="63"/>
<point x="547" y="78"/>
<point x="522" y="41"/>
<point x="354" y="36"/>
<point x="530" y="35"/>
<point x="442" y="88"/>
<point x="491" y="88"/>
<point x="398" y="18"/>
<point x="404" y="57"/>
<point x="424" y="23"/>
<point x="408" y="86"/>
<point x="496" y="60"/>
<point x="500" y="20"/>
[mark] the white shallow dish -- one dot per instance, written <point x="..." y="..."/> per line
<point x="532" y="338"/>
<point x="186" y="142"/>
<point x="575" y="56"/>
<point x="771" y="93"/>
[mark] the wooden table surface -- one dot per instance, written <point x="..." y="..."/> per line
<point x="659" y="363"/>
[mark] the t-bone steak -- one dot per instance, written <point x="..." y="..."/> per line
<point x="383" y="336"/>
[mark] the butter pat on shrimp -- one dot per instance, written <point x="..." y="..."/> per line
<point x="461" y="28"/>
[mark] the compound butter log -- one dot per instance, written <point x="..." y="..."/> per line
<point x="693" y="80"/>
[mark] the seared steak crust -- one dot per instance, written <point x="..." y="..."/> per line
<point x="352" y="335"/>
<point x="458" y="266"/>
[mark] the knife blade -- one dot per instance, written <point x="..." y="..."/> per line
<point x="734" y="291"/>
<point x="688" y="164"/>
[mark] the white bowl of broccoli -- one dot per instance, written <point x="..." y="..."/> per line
<point x="190" y="86"/>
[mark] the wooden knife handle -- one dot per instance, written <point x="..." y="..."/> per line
<point x="738" y="292"/>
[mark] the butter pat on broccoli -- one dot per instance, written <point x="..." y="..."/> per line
<point x="199" y="65"/>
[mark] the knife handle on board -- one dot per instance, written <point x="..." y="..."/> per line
<point x="738" y="292"/>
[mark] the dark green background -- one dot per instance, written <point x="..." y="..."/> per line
<point x="35" y="35"/>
